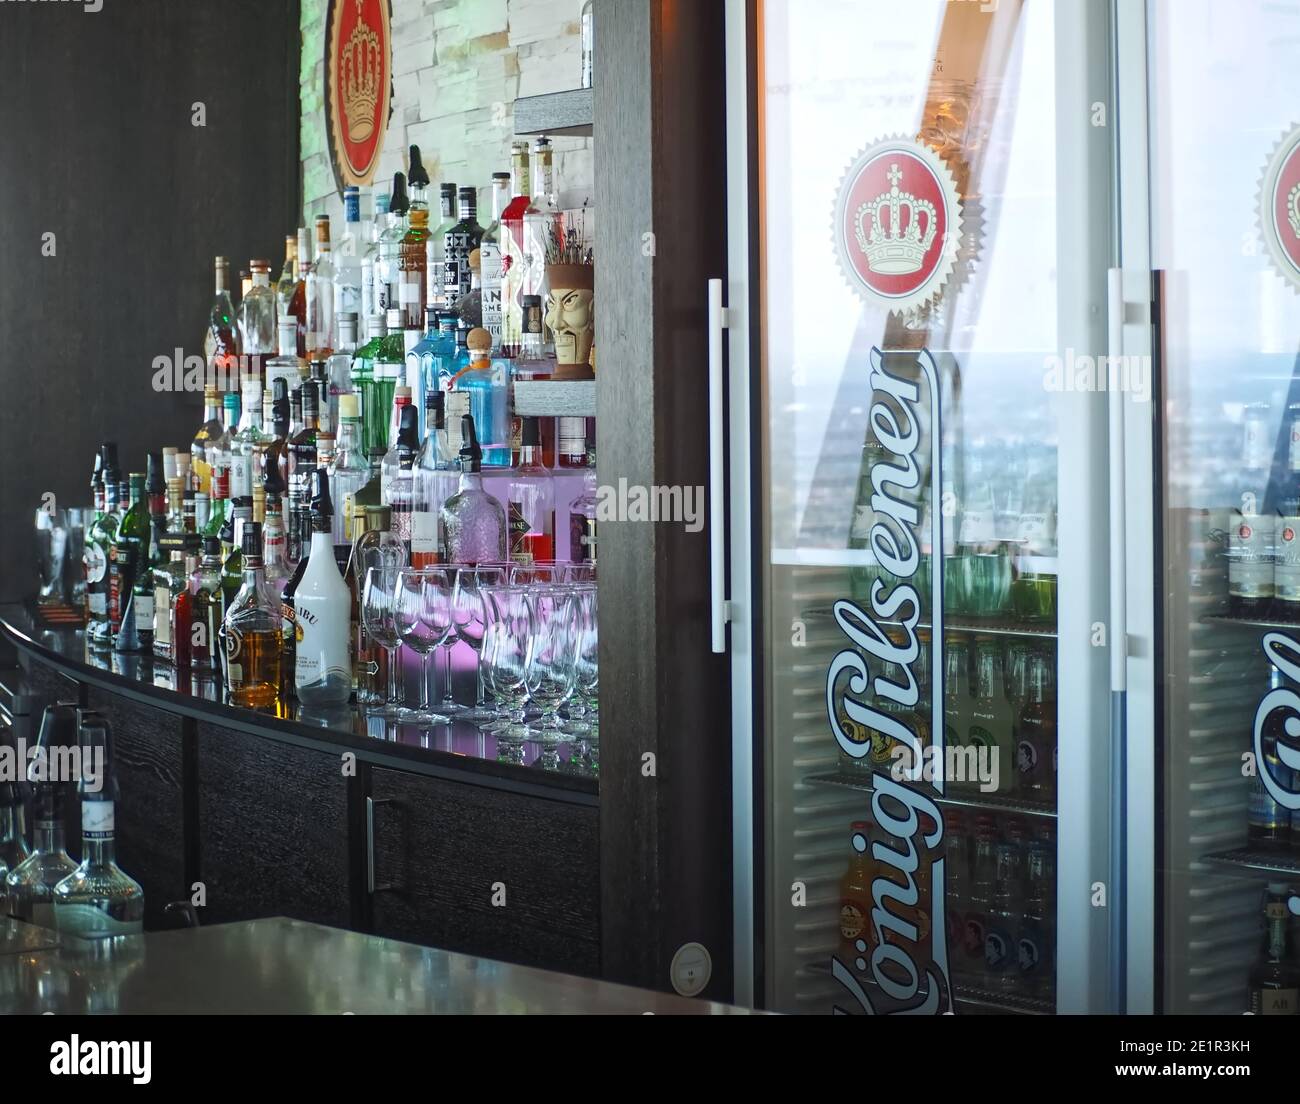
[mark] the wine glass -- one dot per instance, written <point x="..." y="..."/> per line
<point x="510" y="623"/>
<point x="442" y="585"/>
<point x="378" y="616"/>
<point x="554" y="653"/>
<point x="421" y="630"/>
<point x="588" y="676"/>
<point x="580" y="573"/>
<point x="536" y="574"/>
<point x="583" y="620"/>
<point x="471" y="625"/>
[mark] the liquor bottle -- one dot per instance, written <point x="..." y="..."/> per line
<point x="991" y="721"/>
<point x="473" y="522"/>
<point x="957" y="702"/>
<point x="514" y="264"/>
<point x="302" y="462"/>
<point x="275" y="545"/>
<point x="369" y="256"/>
<point x="1036" y="753"/>
<point x="542" y="223"/>
<point x="320" y="295"/>
<point x="1251" y="530"/>
<point x="251" y="633"/>
<point x="856" y="929"/>
<point x="98" y="900"/>
<point x="209" y="431"/>
<point x="402" y="398"/>
<point x="322" y="605"/>
<point x="532" y="502"/>
<point x="571" y="443"/>
<point x="362" y="372"/>
<point x="286" y="365"/>
<point x="205" y="605"/>
<point x="487" y="382"/>
<point x="437" y="473"/>
<point x="339" y="367"/>
<point x="298" y="305"/>
<point x="490" y="257"/>
<point x="1268" y="822"/>
<point x="1001" y="955"/>
<point x="245" y="286"/>
<point x="324" y="422"/>
<point x="174" y="520"/>
<point x="412" y="261"/>
<point x="1037" y="939"/>
<point x="441" y="365"/>
<point x="1274" y="980"/>
<point x="257" y="325"/>
<point x="460" y="241"/>
<point x="218" y="455"/>
<point x="435" y="247"/>
<point x="232" y="567"/>
<point x="351" y="468"/>
<point x="171" y="579"/>
<point x="130" y="544"/>
<point x="221" y="342"/>
<point x="155" y="490"/>
<point x="389" y="371"/>
<point x="29" y="887"/>
<point x="285" y="285"/>
<point x="397" y="477"/>
<point x="99" y="543"/>
<point x="347" y="263"/>
<point x="248" y="434"/>
<point x="387" y="273"/>
<point x="469" y="311"/>
<point x="420" y="365"/>
<point x="582" y="511"/>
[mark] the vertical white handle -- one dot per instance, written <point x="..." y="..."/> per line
<point x="1118" y="543"/>
<point x="717" y="509"/>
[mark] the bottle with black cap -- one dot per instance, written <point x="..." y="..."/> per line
<point x="98" y="900"/>
<point x="473" y="522"/>
<point x="412" y="259"/>
<point x="322" y="610"/>
<point x="436" y="245"/>
<point x="251" y="633"/>
<point x="205" y="606"/>
<point x="388" y="287"/>
<point x="29" y="887"/>
<point x="98" y="545"/>
<point x="397" y="475"/>
<point x="461" y="240"/>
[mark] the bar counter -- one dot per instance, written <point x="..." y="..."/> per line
<point x="431" y="836"/>
<point x="276" y="965"/>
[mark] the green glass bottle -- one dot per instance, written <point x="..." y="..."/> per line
<point x="389" y="370"/>
<point x="129" y="551"/>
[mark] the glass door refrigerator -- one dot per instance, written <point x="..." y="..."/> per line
<point x="1211" y="241"/>
<point x="920" y="231"/>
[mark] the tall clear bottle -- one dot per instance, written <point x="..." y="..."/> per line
<point x="370" y="257"/>
<point x="413" y="260"/>
<point x="541" y="222"/>
<point x="388" y="286"/>
<point x="29" y="887"/>
<point x="320" y="295"/>
<point x="286" y="364"/>
<point x="248" y="435"/>
<point x="398" y="474"/>
<point x="490" y="257"/>
<point x="209" y="432"/>
<point x="532" y="502"/>
<point x="436" y="478"/>
<point x="257" y="313"/>
<point x="351" y="467"/>
<point x="99" y="899"/>
<point x="514" y="266"/>
<point x="347" y="259"/>
<point x="221" y="340"/>
<point x="285" y="285"/>
<point x="435" y="247"/>
<point x="582" y="511"/>
<point x="98" y="548"/>
<point x="322" y="603"/>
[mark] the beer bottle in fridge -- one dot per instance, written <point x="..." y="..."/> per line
<point x="1269" y="822"/>
<point x="1002" y="925"/>
<point x="982" y="887"/>
<point x="991" y="720"/>
<point x="956" y="705"/>
<point x="1251" y="531"/>
<point x="1274" y="982"/>
<point x="1036" y="944"/>
<point x="1036" y="733"/>
<point x="855" y="901"/>
<point x="957" y="901"/>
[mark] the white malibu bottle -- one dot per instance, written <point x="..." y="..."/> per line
<point x="323" y="603"/>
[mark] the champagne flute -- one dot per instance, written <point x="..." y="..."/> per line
<point x="511" y="624"/>
<point x="554" y="655"/>
<point x="378" y="615"/>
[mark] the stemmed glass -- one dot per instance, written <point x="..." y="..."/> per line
<point x="583" y="611"/>
<point x="537" y="574"/>
<point x="423" y="623"/>
<point x="442" y="582"/>
<point x="379" y="616"/>
<point x="554" y="655"/>
<point x="588" y="672"/>
<point x="510" y="653"/>
<point x="470" y="620"/>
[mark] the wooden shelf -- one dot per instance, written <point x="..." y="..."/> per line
<point x="564" y="113"/>
<point x="555" y="398"/>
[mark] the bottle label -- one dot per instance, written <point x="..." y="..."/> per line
<point x="1036" y="530"/>
<point x="321" y="655"/>
<point x="490" y="269"/>
<point x="999" y="951"/>
<point x="517" y="529"/>
<point x="424" y="533"/>
<point x="241" y="476"/>
<point x="98" y="603"/>
<point x="1286" y="569"/>
<point x="582" y="538"/>
<point x="976" y="527"/>
<point x="162" y="622"/>
<point x="1273" y="1002"/>
<point x="853" y="921"/>
<point x="573" y="437"/>
<point x="97" y="820"/>
<point x="457" y="406"/>
<point x="1030" y="955"/>
<point x="96" y="564"/>
<point x="1250" y="559"/>
<point x="144" y="612"/>
<point x="1263" y="812"/>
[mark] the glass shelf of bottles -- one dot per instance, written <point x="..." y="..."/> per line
<point x="1250" y="622"/>
<point x="1257" y="859"/>
<point x="990" y="626"/>
<point x="1000" y="804"/>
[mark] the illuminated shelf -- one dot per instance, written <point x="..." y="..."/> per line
<point x="1258" y="861"/>
<point x="1002" y="626"/>
<point x="962" y="801"/>
<point x="1250" y="622"/>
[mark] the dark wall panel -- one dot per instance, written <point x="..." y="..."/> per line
<point x="97" y="146"/>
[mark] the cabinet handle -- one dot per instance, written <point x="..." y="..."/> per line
<point x="719" y="611"/>
<point x="371" y="887"/>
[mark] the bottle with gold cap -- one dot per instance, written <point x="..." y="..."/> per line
<point x="487" y="383"/>
<point x="374" y="546"/>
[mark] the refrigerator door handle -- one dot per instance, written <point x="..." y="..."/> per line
<point x="719" y="611"/>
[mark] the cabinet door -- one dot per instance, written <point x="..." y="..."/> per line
<point x="272" y="830"/>
<point x="147" y="747"/>
<point x="484" y="872"/>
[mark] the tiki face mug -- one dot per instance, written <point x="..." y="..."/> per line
<point x="571" y="318"/>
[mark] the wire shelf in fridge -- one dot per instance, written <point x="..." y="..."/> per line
<point x="960" y="800"/>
